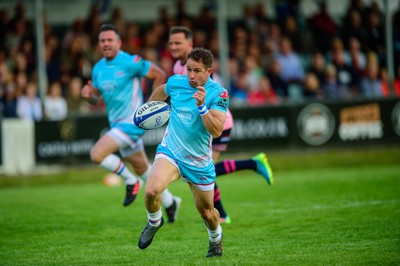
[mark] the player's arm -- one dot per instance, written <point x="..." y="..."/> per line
<point x="213" y="120"/>
<point x="159" y="94"/>
<point x="90" y="93"/>
<point x="157" y="75"/>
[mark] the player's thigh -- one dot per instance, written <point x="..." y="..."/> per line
<point x="104" y="146"/>
<point x="162" y="173"/>
<point x="139" y="162"/>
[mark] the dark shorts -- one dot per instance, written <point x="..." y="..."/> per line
<point x="221" y="144"/>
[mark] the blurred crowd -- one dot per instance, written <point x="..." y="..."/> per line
<point x="272" y="61"/>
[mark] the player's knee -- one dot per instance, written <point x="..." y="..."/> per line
<point x="96" y="157"/>
<point x="152" y="191"/>
<point x="141" y="169"/>
<point x="206" y="214"/>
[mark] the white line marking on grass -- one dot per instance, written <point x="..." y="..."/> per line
<point x="342" y="206"/>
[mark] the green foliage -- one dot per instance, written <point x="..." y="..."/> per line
<point x="325" y="208"/>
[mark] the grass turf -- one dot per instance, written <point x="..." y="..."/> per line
<point x="337" y="207"/>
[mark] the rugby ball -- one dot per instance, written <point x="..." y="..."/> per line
<point x="151" y="115"/>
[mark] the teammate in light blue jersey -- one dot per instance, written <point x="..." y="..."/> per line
<point x="198" y="112"/>
<point x="116" y="79"/>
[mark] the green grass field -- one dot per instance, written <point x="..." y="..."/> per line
<point x="339" y="207"/>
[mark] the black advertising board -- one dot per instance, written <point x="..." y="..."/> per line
<point x="348" y="123"/>
<point x="307" y="125"/>
<point x="261" y="127"/>
<point x="69" y="140"/>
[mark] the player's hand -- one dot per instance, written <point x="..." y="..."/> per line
<point x="199" y="95"/>
<point x="87" y="90"/>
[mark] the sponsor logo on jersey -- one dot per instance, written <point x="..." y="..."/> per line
<point x="223" y="103"/>
<point x="137" y="58"/>
<point x="224" y="95"/>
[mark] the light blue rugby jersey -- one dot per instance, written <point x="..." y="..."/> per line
<point x="186" y="137"/>
<point x="119" y="82"/>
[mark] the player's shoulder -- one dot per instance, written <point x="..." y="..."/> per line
<point x="133" y="58"/>
<point x="216" y="87"/>
<point x="100" y="64"/>
<point x="124" y="56"/>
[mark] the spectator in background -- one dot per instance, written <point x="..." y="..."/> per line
<point x="291" y="68"/>
<point x="359" y="6"/>
<point x="301" y="40"/>
<point x="311" y="87"/>
<point x="267" y="55"/>
<point x="133" y="40"/>
<point x="317" y="66"/>
<point x="4" y="72"/>
<point x="17" y="31"/>
<point x="261" y="13"/>
<point x="92" y="23"/>
<point x="54" y="104"/>
<point x="181" y="15"/>
<point x="370" y="84"/>
<point x="76" y="41"/>
<point x="331" y="86"/>
<point x="354" y="56"/>
<point x="20" y="63"/>
<point x="26" y="49"/>
<point x="52" y="57"/>
<point x="200" y="38"/>
<point x="347" y="77"/>
<point x="239" y="41"/>
<point x="323" y="27"/>
<point x="29" y="106"/>
<point x="353" y="28"/>
<point x="4" y="18"/>
<point x="263" y="94"/>
<point x="117" y="19"/>
<point x="238" y="86"/>
<point x="274" y="37"/>
<point x="274" y="75"/>
<point x="248" y="20"/>
<point x="239" y="90"/>
<point x="21" y="81"/>
<point x="375" y="39"/>
<point x="8" y="105"/>
<point x="76" y="105"/>
<point x="385" y="87"/>
<point x="253" y="72"/>
<point x="396" y="36"/>
<point x="206" y="20"/>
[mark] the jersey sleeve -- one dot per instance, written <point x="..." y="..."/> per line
<point x="139" y="66"/>
<point x="221" y="101"/>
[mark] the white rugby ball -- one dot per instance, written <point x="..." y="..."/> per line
<point x="151" y="115"/>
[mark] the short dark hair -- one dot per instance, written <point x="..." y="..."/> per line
<point x="182" y="29"/>
<point x="107" y="27"/>
<point x="201" y="55"/>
